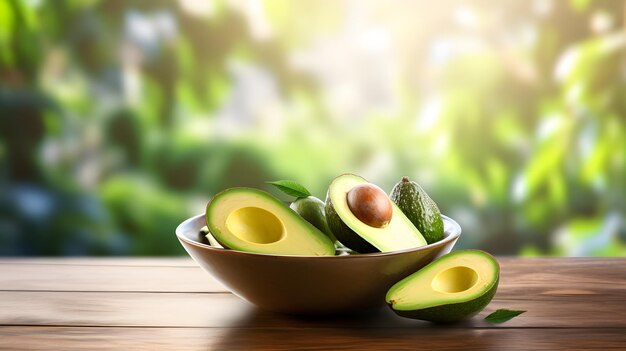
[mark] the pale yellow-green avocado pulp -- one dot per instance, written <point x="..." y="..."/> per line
<point x="252" y="220"/>
<point x="399" y="234"/>
<point x="457" y="278"/>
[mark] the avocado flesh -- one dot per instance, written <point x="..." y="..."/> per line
<point x="252" y="220"/>
<point x="450" y="289"/>
<point x="399" y="234"/>
<point x="419" y="208"/>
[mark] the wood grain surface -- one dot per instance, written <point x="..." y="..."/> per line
<point x="106" y="338"/>
<point x="155" y="304"/>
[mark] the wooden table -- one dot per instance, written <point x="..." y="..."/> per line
<point x="171" y="304"/>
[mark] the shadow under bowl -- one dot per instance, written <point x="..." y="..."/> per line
<point x="311" y="285"/>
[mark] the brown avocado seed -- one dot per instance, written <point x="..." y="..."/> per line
<point x="370" y="205"/>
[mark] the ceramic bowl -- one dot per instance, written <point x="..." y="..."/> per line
<point x="311" y="285"/>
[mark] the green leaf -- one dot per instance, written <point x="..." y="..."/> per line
<point x="290" y="187"/>
<point x="502" y="315"/>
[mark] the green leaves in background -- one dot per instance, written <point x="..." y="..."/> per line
<point x="526" y="146"/>
<point x="290" y="187"/>
<point x="502" y="315"/>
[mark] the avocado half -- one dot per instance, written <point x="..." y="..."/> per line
<point x="399" y="234"/>
<point x="453" y="288"/>
<point x="252" y="220"/>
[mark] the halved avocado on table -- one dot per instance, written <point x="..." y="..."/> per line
<point x="397" y="233"/>
<point x="252" y="220"/>
<point x="453" y="288"/>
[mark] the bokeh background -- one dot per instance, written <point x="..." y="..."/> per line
<point x="119" y="119"/>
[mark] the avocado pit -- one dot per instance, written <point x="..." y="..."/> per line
<point x="370" y="205"/>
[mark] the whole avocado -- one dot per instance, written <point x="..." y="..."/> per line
<point x="312" y="210"/>
<point x="421" y="210"/>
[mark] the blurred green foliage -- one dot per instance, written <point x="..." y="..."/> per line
<point x="119" y="119"/>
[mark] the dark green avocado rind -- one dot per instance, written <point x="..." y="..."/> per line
<point x="419" y="208"/>
<point x="343" y="233"/>
<point x="455" y="312"/>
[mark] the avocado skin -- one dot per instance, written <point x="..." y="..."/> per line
<point x="419" y="208"/>
<point x="452" y="313"/>
<point x="312" y="210"/>
<point x="343" y="233"/>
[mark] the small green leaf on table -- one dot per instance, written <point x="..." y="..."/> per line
<point x="502" y="315"/>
